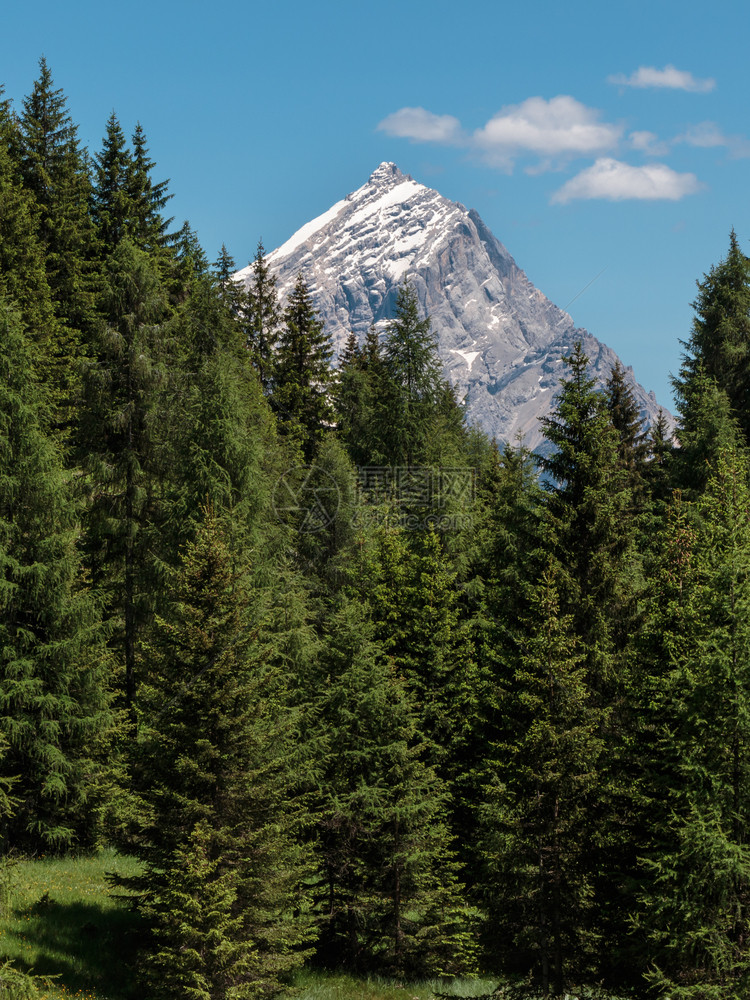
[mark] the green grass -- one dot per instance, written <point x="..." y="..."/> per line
<point x="59" y="918"/>
<point x="332" y="986"/>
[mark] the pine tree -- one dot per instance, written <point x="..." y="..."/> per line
<point x="55" y="171"/>
<point x="118" y="446"/>
<point x="505" y="561"/>
<point x="358" y="394"/>
<point x="216" y="427"/>
<point x="591" y="525"/>
<point x="148" y="227"/>
<point x="591" y="536"/>
<point x="23" y="278"/>
<point x="302" y="374"/>
<point x="706" y="428"/>
<point x="538" y="817"/>
<point x="54" y="682"/>
<point x="632" y="438"/>
<point x="218" y="771"/>
<point x="230" y="291"/>
<point x="658" y="471"/>
<point x="719" y="345"/>
<point x="412" y="383"/>
<point x="389" y="898"/>
<point x="695" y="904"/>
<point x="111" y="201"/>
<point x="263" y="320"/>
<point x="191" y="262"/>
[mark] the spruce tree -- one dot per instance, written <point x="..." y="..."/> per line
<point x="263" y="320"/>
<point x="23" y="277"/>
<point x="412" y="383"/>
<point x="591" y="534"/>
<point x="55" y="171"/>
<point x="706" y="428"/>
<point x="719" y="344"/>
<point x="218" y="771"/>
<point x="632" y="444"/>
<point x="695" y="900"/>
<point x="111" y="200"/>
<point x="230" y="291"/>
<point x="389" y="898"/>
<point x="148" y="227"/>
<point x="54" y="669"/>
<point x="118" y="446"/>
<point x="589" y="517"/>
<point x="302" y="373"/>
<point x="658" y="472"/>
<point x="358" y="394"/>
<point x="216" y="428"/>
<point x="538" y="828"/>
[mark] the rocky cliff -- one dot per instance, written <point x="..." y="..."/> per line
<point x="501" y="341"/>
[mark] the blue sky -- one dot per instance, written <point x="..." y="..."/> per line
<point x="607" y="146"/>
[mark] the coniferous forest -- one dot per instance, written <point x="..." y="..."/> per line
<point x="358" y="688"/>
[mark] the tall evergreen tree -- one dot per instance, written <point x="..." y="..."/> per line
<point x="23" y="278"/>
<point x="358" y="395"/>
<point x="591" y="535"/>
<point x="719" y="345"/>
<point x="263" y="319"/>
<point x="55" y="170"/>
<point x="117" y="445"/>
<point x="632" y="444"/>
<point x="658" y="471"/>
<point x="54" y="670"/>
<point x="413" y="381"/>
<point x="538" y="826"/>
<point x="222" y="867"/>
<point x="695" y="903"/>
<point x="707" y="427"/>
<point x="230" y="291"/>
<point x="302" y="373"/>
<point x="111" y="200"/>
<point x="148" y="227"/>
<point x="389" y="899"/>
<point x="589" y="517"/>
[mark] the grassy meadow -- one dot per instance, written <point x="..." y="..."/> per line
<point x="61" y="920"/>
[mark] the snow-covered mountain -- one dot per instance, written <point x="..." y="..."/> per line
<point x="501" y="341"/>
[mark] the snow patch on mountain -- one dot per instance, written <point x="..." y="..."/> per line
<point x="500" y="339"/>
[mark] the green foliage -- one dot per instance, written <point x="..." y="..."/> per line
<point x="301" y="373"/>
<point x="117" y="446"/>
<point x="53" y="666"/>
<point x="389" y="897"/>
<point x="55" y="171"/>
<point x="222" y="871"/>
<point x="545" y="777"/>
<point x="694" y="905"/>
<point x="719" y="345"/>
<point x="262" y="322"/>
<point x="412" y="384"/>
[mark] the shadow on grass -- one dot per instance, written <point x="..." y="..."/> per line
<point x="86" y="945"/>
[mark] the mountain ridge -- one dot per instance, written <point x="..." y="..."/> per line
<point x="501" y="341"/>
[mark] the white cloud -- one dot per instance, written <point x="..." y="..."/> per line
<point x="554" y="130"/>
<point x="560" y="127"/>
<point x="708" y="135"/>
<point x="615" y="181"/>
<point x="421" y="125"/>
<point x="648" y="143"/>
<point x="669" y="77"/>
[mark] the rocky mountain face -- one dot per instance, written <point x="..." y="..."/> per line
<point x="501" y="341"/>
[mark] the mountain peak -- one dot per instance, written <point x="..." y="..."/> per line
<point x="500" y="340"/>
<point x="386" y="175"/>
